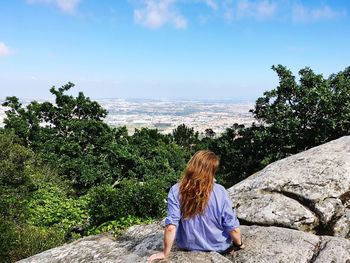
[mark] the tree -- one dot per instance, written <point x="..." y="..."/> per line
<point x="15" y="190"/>
<point x="293" y="117"/>
<point x="185" y="136"/>
<point x="305" y="114"/>
<point x="70" y="135"/>
<point x="209" y="133"/>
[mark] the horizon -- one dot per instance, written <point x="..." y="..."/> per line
<point x="171" y="99"/>
<point x="172" y="49"/>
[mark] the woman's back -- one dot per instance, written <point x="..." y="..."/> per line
<point x="208" y="231"/>
<point x="200" y="213"/>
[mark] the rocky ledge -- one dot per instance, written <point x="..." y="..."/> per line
<point x="309" y="191"/>
<point x="263" y="244"/>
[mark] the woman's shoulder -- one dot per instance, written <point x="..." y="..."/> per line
<point x="219" y="187"/>
<point x="175" y="188"/>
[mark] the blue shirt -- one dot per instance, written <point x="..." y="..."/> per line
<point x="207" y="232"/>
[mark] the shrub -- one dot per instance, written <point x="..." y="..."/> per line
<point x="31" y="240"/>
<point x="50" y="206"/>
<point x="129" y="197"/>
<point x="150" y="198"/>
<point x="108" y="203"/>
<point x="117" y="226"/>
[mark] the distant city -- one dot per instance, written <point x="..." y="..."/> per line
<point x="166" y="115"/>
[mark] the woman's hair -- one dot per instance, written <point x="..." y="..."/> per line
<point x="197" y="183"/>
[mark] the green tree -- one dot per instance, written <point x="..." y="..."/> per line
<point x="25" y="123"/>
<point x="15" y="190"/>
<point x="185" y="136"/>
<point x="209" y="133"/>
<point x="293" y="117"/>
<point x="70" y="135"/>
<point x="303" y="114"/>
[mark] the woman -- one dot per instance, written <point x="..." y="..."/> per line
<point x="200" y="211"/>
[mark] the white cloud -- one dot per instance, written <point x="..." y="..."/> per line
<point x="211" y="3"/>
<point x="66" y="6"/>
<point x="241" y="9"/>
<point x="5" y="50"/>
<point x="156" y="14"/>
<point x="265" y="9"/>
<point x="304" y="14"/>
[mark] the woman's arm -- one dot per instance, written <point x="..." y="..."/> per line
<point x="236" y="238"/>
<point x="169" y="236"/>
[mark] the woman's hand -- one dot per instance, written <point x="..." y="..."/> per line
<point x="159" y="255"/>
<point x="169" y="236"/>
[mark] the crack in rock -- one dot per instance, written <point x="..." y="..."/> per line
<point x="345" y="198"/>
<point x="321" y="228"/>
<point x="319" y="247"/>
<point x="307" y="203"/>
<point x="253" y="223"/>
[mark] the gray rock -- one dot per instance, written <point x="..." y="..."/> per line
<point x="275" y="244"/>
<point x="136" y="245"/>
<point x="263" y="244"/>
<point x="309" y="191"/>
<point x="332" y="249"/>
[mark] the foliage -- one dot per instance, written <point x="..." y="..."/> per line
<point x="147" y="154"/>
<point x="31" y="240"/>
<point x="70" y="135"/>
<point x="305" y="114"/>
<point x="17" y="238"/>
<point x="117" y="226"/>
<point x="7" y="239"/>
<point x="15" y="182"/>
<point x="242" y="152"/>
<point x="129" y="197"/>
<point x="50" y="207"/>
<point x="291" y="118"/>
<point x="30" y="201"/>
<point x="209" y="133"/>
<point x="185" y="136"/>
<point x="15" y="189"/>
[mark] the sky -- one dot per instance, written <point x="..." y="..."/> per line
<point x="167" y="49"/>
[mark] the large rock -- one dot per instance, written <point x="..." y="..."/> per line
<point x="263" y="244"/>
<point x="309" y="191"/>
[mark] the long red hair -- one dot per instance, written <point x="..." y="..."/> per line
<point x="197" y="183"/>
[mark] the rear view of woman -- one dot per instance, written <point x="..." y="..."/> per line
<point x="200" y="213"/>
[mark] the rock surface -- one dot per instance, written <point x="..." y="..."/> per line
<point x="263" y="244"/>
<point x="309" y="191"/>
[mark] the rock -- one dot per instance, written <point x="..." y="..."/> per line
<point x="137" y="243"/>
<point x="263" y="244"/>
<point x="275" y="244"/>
<point x="309" y="191"/>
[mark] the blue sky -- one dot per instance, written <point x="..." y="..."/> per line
<point x="167" y="48"/>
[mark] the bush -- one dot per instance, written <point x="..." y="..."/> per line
<point x="101" y="205"/>
<point x="50" y="206"/>
<point x="15" y="189"/>
<point x="117" y="226"/>
<point x="139" y="199"/>
<point x="150" y="198"/>
<point x="31" y="240"/>
<point x="7" y="239"/>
